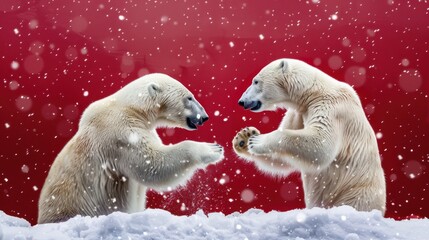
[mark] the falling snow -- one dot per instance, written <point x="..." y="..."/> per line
<point x="25" y="168"/>
<point x="334" y="17"/>
<point x="247" y="195"/>
<point x="84" y="51"/>
<point x="33" y="24"/>
<point x="24" y="103"/>
<point x="379" y="135"/>
<point x="55" y="54"/>
<point x="14" y="65"/>
<point x="133" y="138"/>
<point x="335" y="62"/>
<point x="13" y="85"/>
<point x="183" y="207"/>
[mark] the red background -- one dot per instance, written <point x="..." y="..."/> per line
<point x="56" y="57"/>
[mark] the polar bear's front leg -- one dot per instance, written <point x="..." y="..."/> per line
<point x="202" y="152"/>
<point x="160" y="166"/>
<point x="292" y="120"/>
<point x="265" y="163"/>
<point x="310" y="149"/>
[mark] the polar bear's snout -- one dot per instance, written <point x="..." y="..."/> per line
<point x="252" y="105"/>
<point x="198" y="120"/>
<point x="197" y="114"/>
<point x="251" y="97"/>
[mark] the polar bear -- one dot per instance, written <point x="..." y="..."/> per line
<point x="324" y="135"/>
<point x="116" y="153"/>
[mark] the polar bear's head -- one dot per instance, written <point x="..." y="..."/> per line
<point x="162" y="99"/>
<point x="278" y="85"/>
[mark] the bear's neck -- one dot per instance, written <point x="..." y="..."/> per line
<point x="138" y="114"/>
<point x="138" y="117"/>
<point x="321" y="84"/>
<point x="135" y="116"/>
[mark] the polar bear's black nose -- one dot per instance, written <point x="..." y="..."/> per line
<point x="241" y="103"/>
<point x="205" y="119"/>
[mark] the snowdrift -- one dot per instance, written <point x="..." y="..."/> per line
<point x="337" y="223"/>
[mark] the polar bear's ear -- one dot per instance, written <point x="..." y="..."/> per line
<point x="283" y="65"/>
<point x="153" y="89"/>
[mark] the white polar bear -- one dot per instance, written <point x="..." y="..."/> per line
<point x="324" y="135"/>
<point x="116" y="153"/>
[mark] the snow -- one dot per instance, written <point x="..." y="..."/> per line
<point x="334" y="17"/>
<point x="14" y="65"/>
<point x="343" y="223"/>
<point x="247" y="195"/>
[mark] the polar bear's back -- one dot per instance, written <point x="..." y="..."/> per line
<point x="356" y="176"/>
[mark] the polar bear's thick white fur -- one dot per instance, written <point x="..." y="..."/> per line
<point x="324" y="135"/>
<point x="116" y="153"/>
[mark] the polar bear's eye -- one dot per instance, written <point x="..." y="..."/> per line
<point x="256" y="82"/>
<point x="190" y="98"/>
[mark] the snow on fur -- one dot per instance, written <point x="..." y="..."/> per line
<point x="337" y="223"/>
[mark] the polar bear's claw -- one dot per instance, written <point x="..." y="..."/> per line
<point x="212" y="152"/>
<point x="255" y="144"/>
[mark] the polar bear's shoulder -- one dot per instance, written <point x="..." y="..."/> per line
<point x="99" y="112"/>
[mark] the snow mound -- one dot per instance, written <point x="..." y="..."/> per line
<point x="337" y="223"/>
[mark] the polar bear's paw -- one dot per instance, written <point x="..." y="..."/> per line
<point x="240" y="142"/>
<point x="211" y="153"/>
<point x="256" y="145"/>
